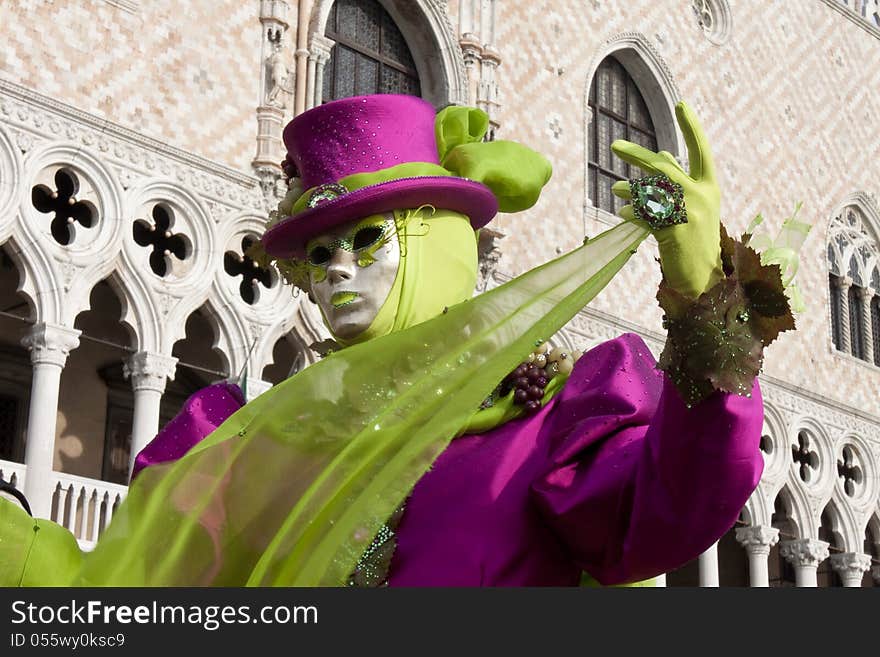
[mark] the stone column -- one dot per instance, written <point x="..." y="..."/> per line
<point x="708" y="565"/>
<point x="757" y="542"/>
<point x="867" y="295"/>
<point x="149" y="372"/>
<point x="843" y="284"/>
<point x="491" y="60"/>
<point x="310" y="81"/>
<point x="49" y="345"/>
<point x="320" y="51"/>
<point x="805" y="554"/>
<point x="466" y="17"/>
<point x="472" y="52"/>
<point x="301" y="57"/>
<point x="490" y="102"/>
<point x="851" y="567"/>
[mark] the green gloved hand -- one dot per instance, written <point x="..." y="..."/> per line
<point x="690" y="253"/>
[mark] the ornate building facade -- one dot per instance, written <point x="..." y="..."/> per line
<point x="139" y="151"/>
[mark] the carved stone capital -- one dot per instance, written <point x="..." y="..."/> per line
<point x="842" y="282"/>
<point x="491" y="56"/>
<point x="866" y="293"/>
<point x="320" y="47"/>
<point x="471" y="48"/>
<point x="270" y="177"/>
<point x="851" y="564"/>
<point x="804" y="552"/>
<point x="149" y="371"/>
<point x="50" y="343"/>
<point x="758" y="539"/>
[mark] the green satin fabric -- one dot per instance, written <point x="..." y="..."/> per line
<point x="291" y="488"/>
<point x="515" y="174"/>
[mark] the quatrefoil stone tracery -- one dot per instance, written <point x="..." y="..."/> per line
<point x="62" y="202"/>
<point x="252" y="274"/>
<point x="805" y="458"/>
<point x="849" y="471"/>
<point x="158" y="235"/>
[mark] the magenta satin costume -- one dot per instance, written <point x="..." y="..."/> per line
<point x="615" y="476"/>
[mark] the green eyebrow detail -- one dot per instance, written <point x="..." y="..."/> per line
<point x="366" y="253"/>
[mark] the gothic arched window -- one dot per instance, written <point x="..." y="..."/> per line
<point x="370" y="55"/>
<point x="854" y="278"/>
<point x="619" y="112"/>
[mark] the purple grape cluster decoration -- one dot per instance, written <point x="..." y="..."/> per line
<point x="528" y="381"/>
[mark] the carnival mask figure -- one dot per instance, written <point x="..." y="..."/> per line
<point x="444" y="443"/>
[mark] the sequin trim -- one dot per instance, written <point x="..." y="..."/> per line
<point x="372" y="569"/>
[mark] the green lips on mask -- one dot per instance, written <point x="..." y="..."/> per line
<point x="340" y="299"/>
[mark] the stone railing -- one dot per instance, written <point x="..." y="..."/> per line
<point x="84" y="506"/>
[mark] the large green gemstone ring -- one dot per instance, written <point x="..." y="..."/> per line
<point x="658" y="201"/>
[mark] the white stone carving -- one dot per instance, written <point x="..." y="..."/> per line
<point x="757" y="539"/>
<point x="853" y="239"/>
<point x="851" y="566"/>
<point x="26" y="110"/>
<point x="714" y="18"/>
<point x="10" y="175"/>
<point x="150" y="371"/>
<point x="50" y="343"/>
<point x="804" y="551"/>
<point x="280" y="78"/>
<point x="129" y="173"/>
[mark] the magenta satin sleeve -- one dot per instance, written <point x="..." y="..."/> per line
<point x="639" y="484"/>
<point x="203" y="411"/>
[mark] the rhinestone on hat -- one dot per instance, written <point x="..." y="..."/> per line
<point x="324" y="193"/>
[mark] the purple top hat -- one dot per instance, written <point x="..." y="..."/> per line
<point x="369" y="135"/>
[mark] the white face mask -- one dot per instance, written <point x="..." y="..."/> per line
<point x="352" y="269"/>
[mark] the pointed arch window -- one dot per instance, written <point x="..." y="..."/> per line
<point x="618" y="111"/>
<point x="853" y="280"/>
<point x="370" y="54"/>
